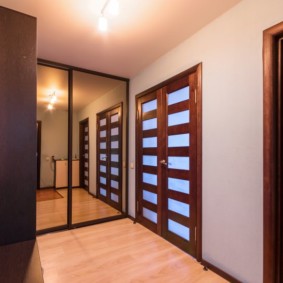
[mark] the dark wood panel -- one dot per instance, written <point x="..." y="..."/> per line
<point x="181" y="219"/>
<point x="149" y="133"/>
<point x="149" y="115"/>
<point x="179" y="151"/>
<point x="17" y="126"/>
<point x="178" y="107"/>
<point x="179" y="129"/>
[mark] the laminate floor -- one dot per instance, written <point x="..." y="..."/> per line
<point x="52" y="213"/>
<point x="119" y="252"/>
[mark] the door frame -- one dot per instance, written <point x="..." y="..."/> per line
<point x="198" y="70"/>
<point x="81" y="147"/>
<point x="272" y="165"/>
<point x="38" y="157"/>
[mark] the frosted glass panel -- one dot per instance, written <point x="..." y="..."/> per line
<point x="179" y="140"/>
<point x="149" y="178"/>
<point x="86" y="129"/>
<point x="86" y="146"/>
<point x="150" y="215"/>
<point x="114" y="197"/>
<point x="102" y="168"/>
<point x="179" y="118"/>
<point x="114" y="118"/>
<point x="114" y="144"/>
<point x="86" y="173"/>
<point x="114" y="171"/>
<point x="182" y="186"/>
<point x="103" y="180"/>
<point x="103" y="156"/>
<point x="114" y="157"/>
<point x="181" y="163"/>
<point x="102" y="122"/>
<point x="86" y="182"/>
<point x="86" y="164"/>
<point x="178" y="229"/>
<point x="149" y="160"/>
<point x="149" y="142"/>
<point x="102" y="134"/>
<point x="149" y="124"/>
<point x="114" y="184"/>
<point x="179" y="95"/>
<point x="148" y="106"/>
<point x="179" y="207"/>
<point x="103" y="145"/>
<point x="115" y="132"/>
<point x="103" y="192"/>
<point x="151" y="197"/>
<point x="86" y="138"/>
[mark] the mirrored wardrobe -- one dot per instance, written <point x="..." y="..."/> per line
<point x="82" y="147"/>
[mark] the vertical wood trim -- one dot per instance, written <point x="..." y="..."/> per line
<point x="270" y="153"/>
<point x="199" y="162"/>
<point x="70" y="147"/>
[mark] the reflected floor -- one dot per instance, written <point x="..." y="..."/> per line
<point x="52" y="213"/>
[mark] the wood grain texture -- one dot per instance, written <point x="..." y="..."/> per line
<point x="17" y="126"/>
<point x="120" y="252"/>
<point x="20" y="263"/>
<point x="85" y="207"/>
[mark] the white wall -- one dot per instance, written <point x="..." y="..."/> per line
<point x="54" y="142"/>
<point x="230" y="49"/>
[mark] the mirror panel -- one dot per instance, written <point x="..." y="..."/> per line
<point x="52" y="152"/>
<point x="95" y="195"/>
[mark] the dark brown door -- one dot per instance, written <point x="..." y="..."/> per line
<point x="109" y="156"/>
<point x="166" y="162"/>
<point x="84" y="154"/>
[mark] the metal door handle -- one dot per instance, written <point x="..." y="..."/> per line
<point x="163" y="162"/>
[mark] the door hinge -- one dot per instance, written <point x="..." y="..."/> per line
<point x="195" y="96"/>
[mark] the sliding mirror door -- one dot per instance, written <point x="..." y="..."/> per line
<point x="99" y="147"/>
<point x="52" y="147"/>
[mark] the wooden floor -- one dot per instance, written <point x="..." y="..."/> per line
<point x="118" y="252"/>
<point x="52" y="213"/>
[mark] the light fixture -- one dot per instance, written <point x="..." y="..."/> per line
<point x="113" y="8"/>
<point x="102" y="23"/>
<point x="50" y="106"/>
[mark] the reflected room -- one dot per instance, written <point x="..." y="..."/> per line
<point x="97" y="189"/>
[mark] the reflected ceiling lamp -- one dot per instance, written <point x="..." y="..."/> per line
<point x="52" y="100"/>
<point x="112" y="7"/>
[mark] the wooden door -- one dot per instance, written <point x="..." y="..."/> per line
<point x="109" y="156"/>
<point x="166" y="162"/>
<point x="84" y="154"/>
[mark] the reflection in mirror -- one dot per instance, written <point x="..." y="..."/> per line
<point x="52" y="149"/>
<point x="98" y="156"/>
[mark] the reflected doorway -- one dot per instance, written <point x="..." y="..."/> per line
<point x="84" y="154"/>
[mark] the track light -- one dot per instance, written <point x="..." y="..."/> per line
<point x="111" y="7"/>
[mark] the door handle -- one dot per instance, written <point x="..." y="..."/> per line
<point x="163" y="162"/>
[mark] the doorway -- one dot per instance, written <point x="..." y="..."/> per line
<point x="109" y="156"/>
<point x="169" y="160"/>
<point x="84" y="154"/>
<point x="273" y="122"/>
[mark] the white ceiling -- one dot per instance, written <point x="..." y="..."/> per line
<point x="144" y="30"/>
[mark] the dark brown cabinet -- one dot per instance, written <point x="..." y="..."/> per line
<point x="17" y="126"/>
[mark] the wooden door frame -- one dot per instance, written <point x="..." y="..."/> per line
<point x="38" y="158"/>
<point x="81" y="139"/>
<point x="198" y="70"/>
<point x="272" y="122"/>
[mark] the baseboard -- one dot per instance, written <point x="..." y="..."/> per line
<point x="92" y="194"/>
<point x="220" y="272"/>
<point x="44" y="188"/>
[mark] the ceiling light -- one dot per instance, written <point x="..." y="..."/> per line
<point x="50" y="106"/>
<point x="110" y="7"/>
<point x="102" y="23"/>
<point x="114" y="7"/>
